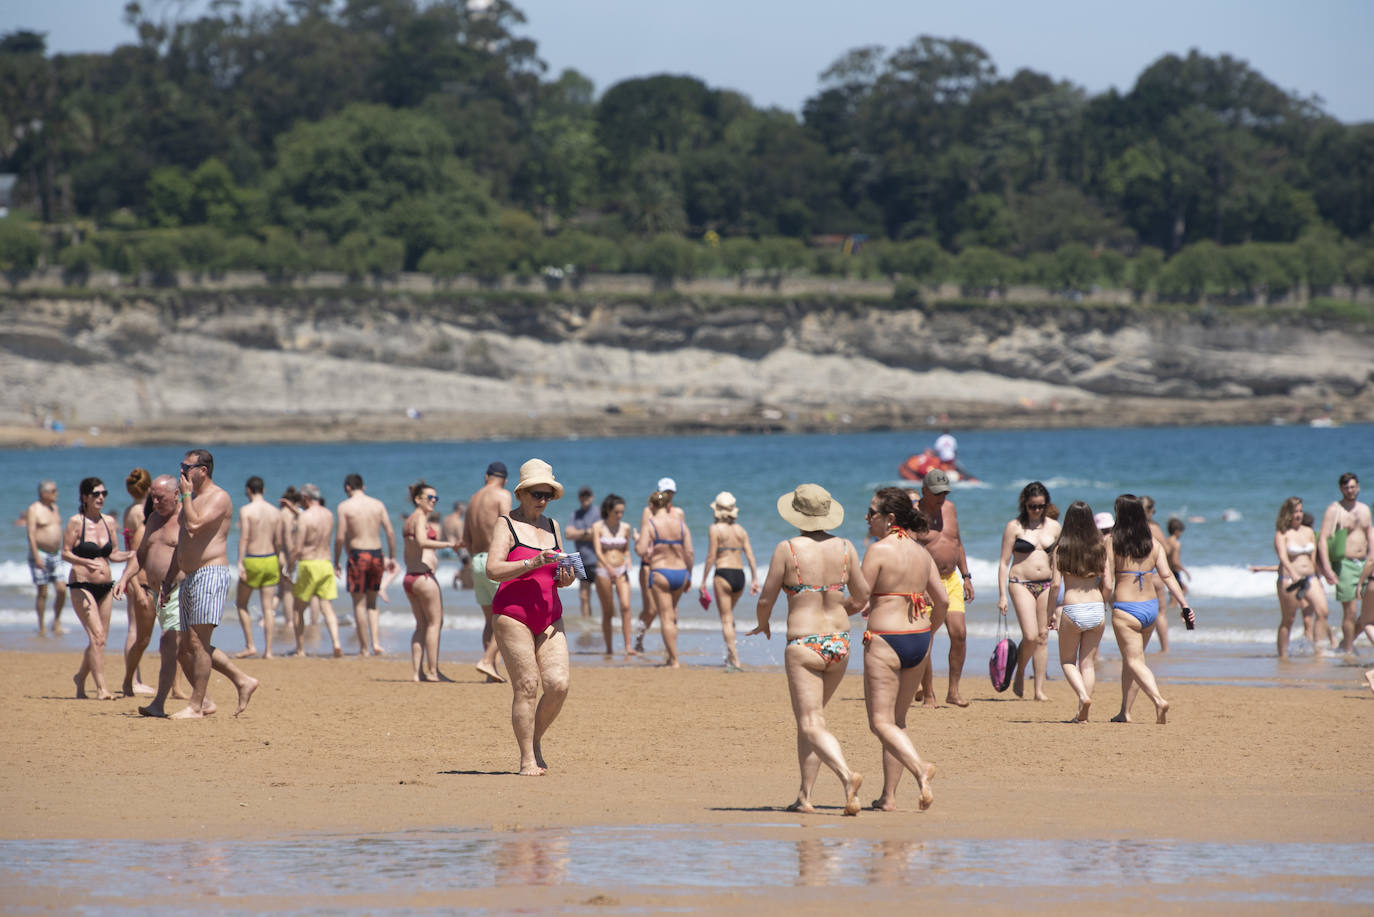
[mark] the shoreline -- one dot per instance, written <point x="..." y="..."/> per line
<point x="321" y="735"/>
<point x="725" y="419"/>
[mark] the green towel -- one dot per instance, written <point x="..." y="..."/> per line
<point x="1335" y="546"/>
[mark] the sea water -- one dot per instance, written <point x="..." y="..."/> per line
<point x="1226" y="483"/>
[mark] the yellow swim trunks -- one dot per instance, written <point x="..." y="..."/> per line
<point x="315" y="577"/>
<point x="261" y="570"/>
<point x="954" y="585"/>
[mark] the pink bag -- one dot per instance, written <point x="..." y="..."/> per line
<point x="1002" y="665"/>
<point x="704" y="598"/>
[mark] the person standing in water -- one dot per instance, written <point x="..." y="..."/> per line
<point x="944" y="543"/>
<point x="43" y="524"/>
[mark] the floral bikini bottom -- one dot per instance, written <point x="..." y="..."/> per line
<point x="830" y="647"/>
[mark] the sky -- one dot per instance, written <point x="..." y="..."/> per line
<point x="774" y="50"/>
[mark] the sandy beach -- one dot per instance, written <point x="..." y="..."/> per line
<point x="347" y="747"/>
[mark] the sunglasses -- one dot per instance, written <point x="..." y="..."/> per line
<point x="185" y="467"/>
<point x="871" y="513"/>
<point x="1035" y="506"/>
<point x="544" y="495"/>
<point x="100" y="493"/>
<point x="432" y="498"/>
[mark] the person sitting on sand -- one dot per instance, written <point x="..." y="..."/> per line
<point x="1080" y="563"/>
<point x="907" y="604"/>
<point x="88" y="544"/>
<point x="202" y="566"/>
<point x="1298" y="582"/>
<point x="1133" y="554"/>
<point x="421" y="543"/>
<point x="527" y="614"/>
<point x="814" y="568"/>
<point x="727" y="548"/>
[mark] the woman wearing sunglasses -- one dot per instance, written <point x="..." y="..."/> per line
<point x="422" y="542"/>
<point x="1024" y="573"/>
<point x="527" y="616"/>
<point x="88" y="544"/>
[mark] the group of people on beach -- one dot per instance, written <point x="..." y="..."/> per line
<point x="1071" y="574"/>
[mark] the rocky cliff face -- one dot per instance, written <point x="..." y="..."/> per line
<point x="135" y="360"/>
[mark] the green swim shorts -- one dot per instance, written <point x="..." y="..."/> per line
<point x="483" y="587"/>
<point x="1348" y="578"/>
<point x="169" y="613"/>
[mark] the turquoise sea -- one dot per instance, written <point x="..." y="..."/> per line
<point x="1227" y="482"/>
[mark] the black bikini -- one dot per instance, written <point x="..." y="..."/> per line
<point x="89" y="550"/>
<point x="1022" y="546"/>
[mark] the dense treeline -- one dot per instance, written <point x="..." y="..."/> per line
<point x="374" y="136"/>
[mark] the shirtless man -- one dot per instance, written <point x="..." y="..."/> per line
<point x="262" y="555"/>
<point x="947" y="548"/>
<point x="315" y="584"/>
<point x="1350" y="516"/>
<point x="490" y="503"/>
<point x="451" y="529"/>
<point x="1173" y="553"/>
<point x="288" y="511"/>
<point x="154" y="556"/>
<point x="46" y="565"/>
<point x="361" y="519"/>
<point x="201" y="561"/>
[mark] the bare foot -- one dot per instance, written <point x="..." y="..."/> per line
<point x="57" y="630"/>
<point x="139" y="690"/>
<point x="186" y="713"/>
<point x="1369" y="679"/>
<point x="268" y="655"/>
<point x="883" y="804"/>
<point x="1122" y="717"/>
<point x="152" y="710"/>
<point x="1042" y="696"/>
<point x="244" y="654"/>
<point x="851" y="793"/>
<point x="532" y="770"/>
<point x="1083" y="706"/>
<point x="378" y="651"/>
<point x="80" y="687"/>
<point x="104" y="695"/>
<point x="245" y="694"/>
<point x="800" y="806"/>
<point x="629" y="653"/>
<point x="208" y="707"/>
<point x="927" y="793"/>
<point x="493" y="676"/>
<point x="1018" y="683"/>
<point x="539" y="757"/>
<point x="919" y="696"/>
<point x="338" y="652"/>
<point x="1161" y="712"/>
<point x="956" y="700"/>
<point x="179" y="694"/>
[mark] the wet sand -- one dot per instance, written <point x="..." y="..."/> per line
<point x="354" y="746"/>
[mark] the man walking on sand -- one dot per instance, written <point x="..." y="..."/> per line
<point x="262" y="554"/>
<point x="362" y="521"/>
<point x="947" y="548"/>
<point x="490" y="503"/>
<point x="315" y="583"/>
<point x="579" y="532"/>
<point x="1341" y="550"/>
<point x="155" y="556"/>
<point x="202" y="562"/>
<point x="44" y="525"/>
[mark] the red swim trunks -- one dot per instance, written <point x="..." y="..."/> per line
<point x="365" y="570"/>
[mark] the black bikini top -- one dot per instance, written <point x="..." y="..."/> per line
<point x="1022" y="546"/>
<point x="89" y="550"/>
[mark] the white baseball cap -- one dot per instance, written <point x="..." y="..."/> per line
<point x="1104" y="520"/>
<point x="667" y="484"/>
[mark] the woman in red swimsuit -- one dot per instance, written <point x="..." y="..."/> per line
<point x="426" y="602"/>
<point x="527" y="616"/>
<point x="814" y="568"/>
<point x="906" y="606"/>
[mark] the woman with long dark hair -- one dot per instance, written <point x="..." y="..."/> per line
<point x="88" y="544"/>
<point x="422" y="543"/>
<point x="1133" y="554"/>
<point x="907" y="604"/>
<point x="1024" y="573"/>
<point x="611" y="536"/>
<point x="1080" y="563"/>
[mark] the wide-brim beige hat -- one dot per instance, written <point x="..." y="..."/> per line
<point x="724" y="505"/>
<point x="810" y="508"/>
<point x="538" y="471"/>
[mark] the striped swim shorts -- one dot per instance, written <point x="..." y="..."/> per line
<point x="203" y="594"/>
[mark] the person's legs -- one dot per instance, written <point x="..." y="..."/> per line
<point x="267" y="596"/>
<point x="320" y="605"/>
<point x="1347" y="593"/>
<point x="142" y="617"/>
<point x="606" y="595"/>
<point x="41" y="605"/>
<point x="1088" y="643"/>
<point x="1131" y="639"/>
<point x="417" y="636"/>
<point x="725" y="606"/>
<point x="194" y="650"/>
<point x="96" y="622"/>
<point x="1288" y="607"/>
<point x="360" y="625"/>
<point x="487" y="665"/>
<point x="374" y="624"/>
<point x="888" y="691"/>
<point x="295" y="613"/>
<point x="957" y="629"/>
<point x="810" y="684"/>
<point x="551" y="655"/>
<point x="166" y="674"/>
<point x="584" y="595"/>
<point x="648" y="612"/>
<point x="622" y="589"/>
<point x="1321" y="627"/>
<point x="516" y="644"/>
<point x="1162" y="622"/>
<point x="59" y="599"/>
<point x="1034" y="646"/>
<point x="665" y="602"/>
<point x="242" y="596"/>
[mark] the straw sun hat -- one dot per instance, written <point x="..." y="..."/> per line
<point x="810" y="508"/>
<point x="538" y="471"/>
